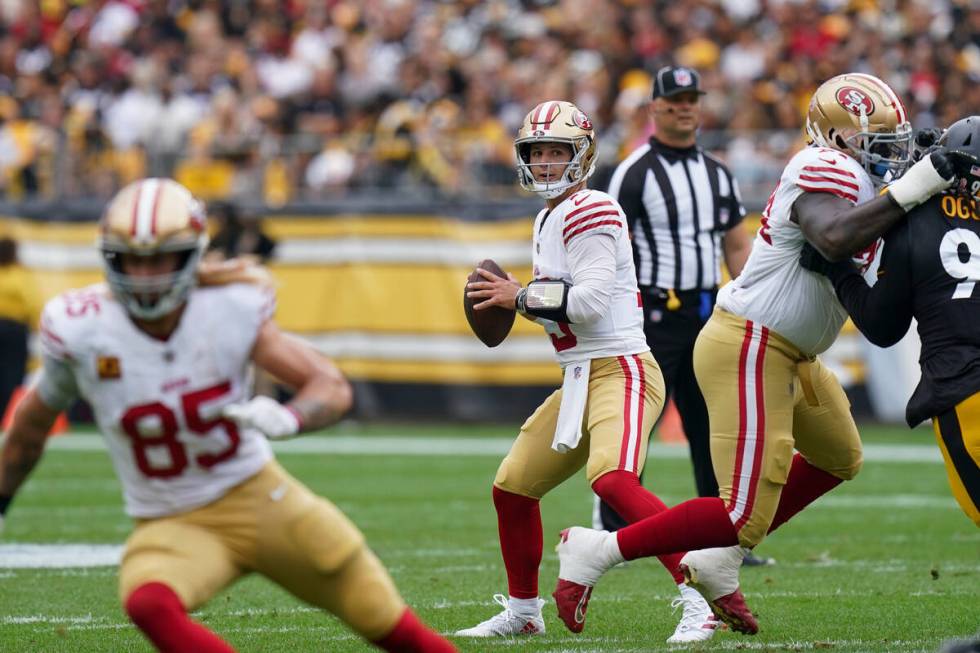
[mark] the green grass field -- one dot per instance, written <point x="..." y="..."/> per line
<point x="886" y="563"/>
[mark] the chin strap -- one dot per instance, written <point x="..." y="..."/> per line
<point x="547" y="299"/>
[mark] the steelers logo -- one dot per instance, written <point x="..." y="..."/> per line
<point x="855" y="101"/>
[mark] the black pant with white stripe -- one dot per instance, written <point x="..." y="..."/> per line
<point x="671" y="333"/>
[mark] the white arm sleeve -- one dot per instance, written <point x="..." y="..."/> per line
<point x="592" y="261"/>
<point x="56" y="383"/>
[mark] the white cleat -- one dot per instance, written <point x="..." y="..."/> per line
<point x="714" y="573"/>
<point x="698" y="623"/>
<point x="584" y="555"/>
<point x="507" y="623"/>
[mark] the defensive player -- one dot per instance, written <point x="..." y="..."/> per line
<point x="584" y="294"/>
<point x="928" y="270"/>
<point x="756" y="360"/>
<point x="164" y="363"/>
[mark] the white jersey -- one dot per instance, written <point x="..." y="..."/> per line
<point x="158" y="403"/>
<point x="620" y="331"/>
<point x="773" y="289"/>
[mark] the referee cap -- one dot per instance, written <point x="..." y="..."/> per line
<point x="671" y="80"/>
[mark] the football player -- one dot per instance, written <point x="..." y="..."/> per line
<point x="928" y="269"/>
<point x="163" y="354"/>
<point x="584" y="294"/>
<point x="756" y="360"/>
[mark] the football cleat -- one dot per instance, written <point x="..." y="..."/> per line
<point x="697" y="624"/>
<point x="714" y="573"/>
<point x="507" y="622"/>
<point x="584" y="555"/>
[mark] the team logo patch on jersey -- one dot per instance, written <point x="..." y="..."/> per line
<point x="108" y="367"/>
<point x="855" y="100"/>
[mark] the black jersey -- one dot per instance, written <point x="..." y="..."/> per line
<point x="929" y="270"/>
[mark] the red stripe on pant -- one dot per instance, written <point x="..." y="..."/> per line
<point x="624" y="446"/>
<point x="742" y="416"/>
<point x="760" y="426"/>
<point x="638" y="430"/>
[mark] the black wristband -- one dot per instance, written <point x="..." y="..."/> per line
<point x="545" y="298"/>
<point x="4" y="502"/>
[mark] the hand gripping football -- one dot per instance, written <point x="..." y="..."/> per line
<point x="491" y="325"/>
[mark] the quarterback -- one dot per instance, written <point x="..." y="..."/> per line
<point x="163" y="354"/>
<point x="584" y="294"/>
<point x="756" y="359"/>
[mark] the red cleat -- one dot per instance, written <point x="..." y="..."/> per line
<point x="572" y="601"/>
<point x="732" y="610"/>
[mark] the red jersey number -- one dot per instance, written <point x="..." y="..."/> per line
<point x="153" y="427"/>
<point x="567" y="340"/>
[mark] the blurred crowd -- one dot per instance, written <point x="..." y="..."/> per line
<point x="280" y="100"/>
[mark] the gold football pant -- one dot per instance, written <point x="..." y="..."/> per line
<point x="270" y="524"/>
<point x="625" y="397"/>
<point x="958" y="434"/>
<point x="764" y="399"/>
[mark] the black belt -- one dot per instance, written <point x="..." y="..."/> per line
<point x="675" y="299"/>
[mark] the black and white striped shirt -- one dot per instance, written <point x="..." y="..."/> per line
<point x="679" y="203"/>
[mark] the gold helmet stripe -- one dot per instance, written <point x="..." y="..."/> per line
<point x="888" y="92"/>
<point x="144" y="225"/>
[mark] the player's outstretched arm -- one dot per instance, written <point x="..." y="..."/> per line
<point x="838" y="228"/>
<point x="323" y="395"/>
<point x="23" y="446"/>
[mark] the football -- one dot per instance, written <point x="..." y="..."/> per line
<point x="491" y="325"/>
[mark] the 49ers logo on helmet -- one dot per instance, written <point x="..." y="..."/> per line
<point x="855" y="100"/>
<point x="581" y="120"/>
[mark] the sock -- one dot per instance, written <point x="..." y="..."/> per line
<point x="158" y="612"/>
<point x="700" y="523"/>
<point x="526" y="607"/>
<point x="521" y="541"/>
<point x="411" y="636"/>
<point x="804" y="485"/>
<point x="624" y="494"/>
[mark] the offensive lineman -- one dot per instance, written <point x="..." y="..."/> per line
<point x="929" y="267"/>
<point x="165" y="365"/>
<point x="756" y="360"/>
<point x="584" y="294"/>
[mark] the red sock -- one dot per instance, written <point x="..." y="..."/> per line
<point x="699" y="523"/>
<point x="411" y="636"/>
<point x="633" y="502"/>
<point x="521" y="541"/>
<point x="804" y="485"/>
<point x="157" y="611"/>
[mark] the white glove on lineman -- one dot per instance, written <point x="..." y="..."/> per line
<point x="927" y="177"/>
<point x="267" y="415"/>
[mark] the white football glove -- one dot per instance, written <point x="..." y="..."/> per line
<point x="927" y="177"/>
<point x="267" y="415"/>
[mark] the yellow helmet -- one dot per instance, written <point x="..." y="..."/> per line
<point x="556" y="121"/>
<point x="148" y="217"/>
<point x="861" y="116"/>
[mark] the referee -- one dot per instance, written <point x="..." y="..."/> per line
<point x="684" y="215"/>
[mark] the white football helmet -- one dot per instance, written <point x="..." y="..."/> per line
<point x="556" y="122"/>
<point x="147" y="217"/>
<point x="861" y="116"/>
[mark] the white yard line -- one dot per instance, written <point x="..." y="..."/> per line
<point x="395" y="445"/>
